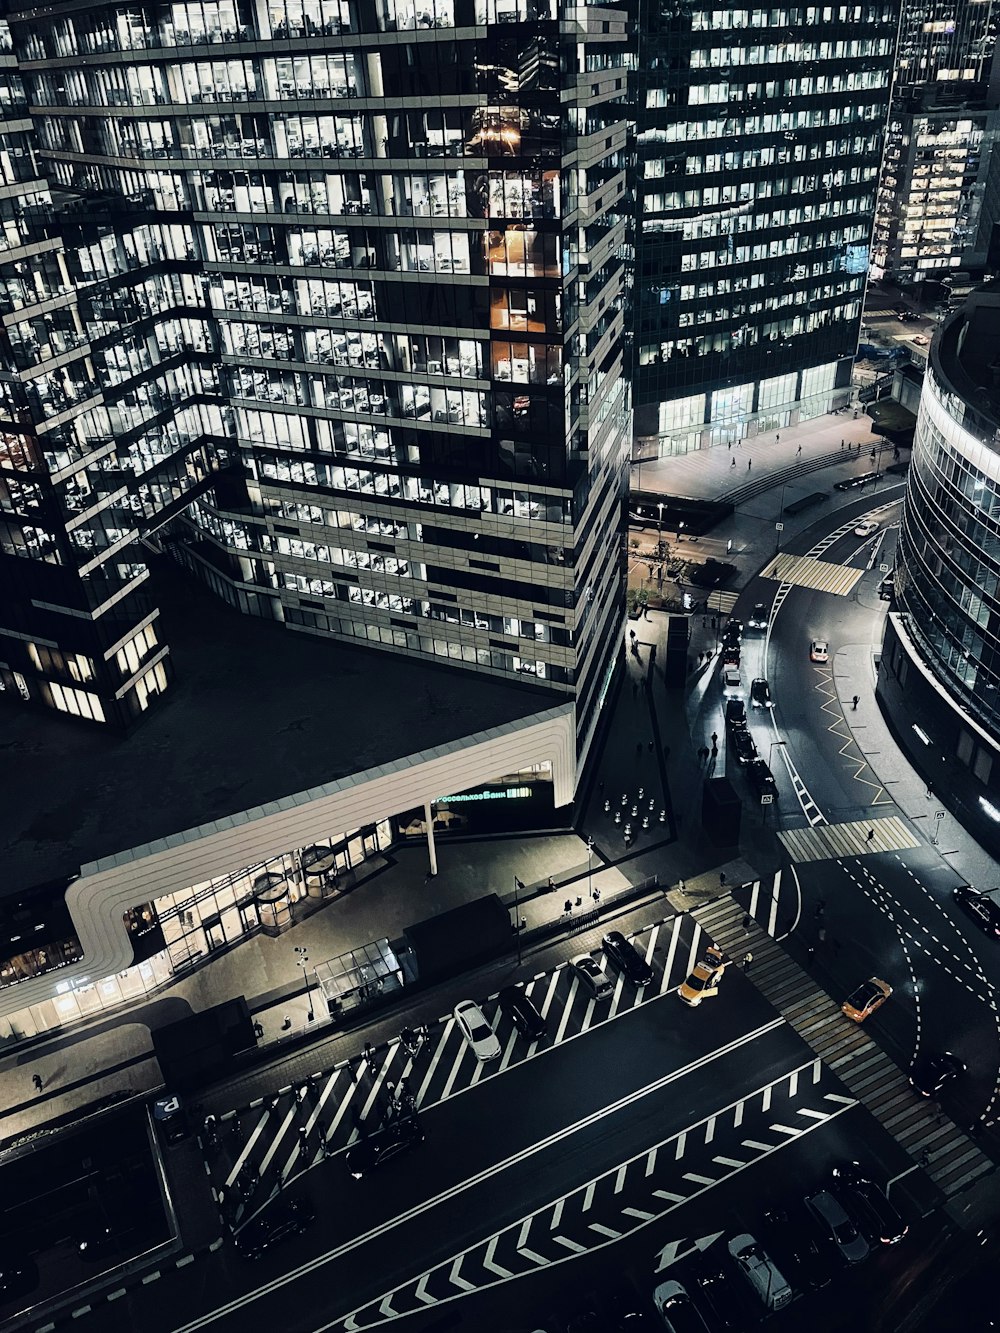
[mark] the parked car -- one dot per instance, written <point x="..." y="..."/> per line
<point x="981" y="907"/>
<point x="878" y="1218"/>
<point x="797" y="1249"/>
<point x="736" y="713"/>
<point x="760" y="1271"/>
<point x="591" y="976"/>
<point x="866" y="529"/>
<point x="704" y="977"/>
<point x="374" y="1150"/>
<point x="731" y="654"/>
<point x="731" y="678"/>
<point x="819" y="651"/>
<point x="757" y="618"/>
<point x="869" y="996"/>
<point x="834" y="1222"/>
<point x="477" y="1032"/>
<point x="743" y="746"/>
<point x="760" y="694"/>
<point x="677" y="1310"/>
<point x="627" y="958"/>
<point x="762" y="780"/>
<point x="733" y="629"/>
<point x="278" y="1222"/>
<point x="718" y="1290"/>
<point x="931" y="1072"/>
<point x="522" y="1011"/>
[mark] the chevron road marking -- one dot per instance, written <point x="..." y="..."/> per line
<point x="599" y="1234"/>
<point x="455" y="1278"/>
<point x="421" y="1292"/>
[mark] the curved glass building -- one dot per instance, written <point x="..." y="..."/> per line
<point x="940" y="668"/>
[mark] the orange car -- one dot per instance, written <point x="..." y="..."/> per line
<point x="705" y="978"/>
<point x="868" y="997"/>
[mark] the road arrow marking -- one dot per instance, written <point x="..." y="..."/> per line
<point x="672" y="1251"/>
<point x="386" y="1307"/>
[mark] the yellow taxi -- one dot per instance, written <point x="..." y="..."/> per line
<point x="705" y="978"/>
<point x="868" y="997"/>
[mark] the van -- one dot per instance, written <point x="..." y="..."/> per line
<point x="760" y="1271"/>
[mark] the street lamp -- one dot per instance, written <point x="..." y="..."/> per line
<point x="778" y="525"/>
<point x="302" y="958"/>
<point x="590" y="882"/>
<point x="659" y="531"/>
<point x="770" y="753"/>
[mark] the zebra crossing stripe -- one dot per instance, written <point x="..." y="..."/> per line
<point x="668" y="965"/>
<point x="805" y="571"/>
<point x="435" y="1058"/>
<point x="831" y="841"/>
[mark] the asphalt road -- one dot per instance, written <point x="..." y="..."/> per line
<point x="709" y="1107"/>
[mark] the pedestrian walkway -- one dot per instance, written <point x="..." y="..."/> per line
<point x="803" y="571"/>
<point x="859" y="837"/>
<point x="950" y="1158"/>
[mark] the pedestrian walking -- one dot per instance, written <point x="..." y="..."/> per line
<point x="286" y="1023"/>
<point x="568" y="906"/>
<point x="715" y="749"/>
<point x="730" y="443"/>
<point x="854" y="703"/>
<point x="722" y="879"/>
<point x="747" y="960"/>
<point x="37" y="1083"/>
<point x="369" y="1052"/>
<point x="733" y="463"/>
<point x="843" y="444"/>
<point x="551" y="885"/>
<point x="597" y="895"/>
<point x="746" y="921"/>
<point x="715" y="738"/>
<point x="870" y="835"/>
<point x="749" y="464"/>
<point x="798" y="451"/>
<point x="777" y="439"/>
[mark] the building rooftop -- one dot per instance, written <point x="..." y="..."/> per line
<point x="257" y="712"/>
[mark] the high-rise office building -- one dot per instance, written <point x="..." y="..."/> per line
<point x="325" y="300"/>
<point x="760" y="135"/>
<point x="939" y="141"/>
<point x="330" y="302"/>
<point x="939" y="674"/>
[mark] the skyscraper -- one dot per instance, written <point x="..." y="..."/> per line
<point x="760" y="135"/>
<point x="940" y="138"/>
<point x="329" y="304"/>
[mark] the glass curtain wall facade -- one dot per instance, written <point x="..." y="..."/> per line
<point x="347" y="283"/>
<point x="938" y="132"/>
<point x="940" y="673"/>
<point x="760" y="135"/>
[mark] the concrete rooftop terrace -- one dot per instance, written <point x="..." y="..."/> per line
<point x="256" y="712"/>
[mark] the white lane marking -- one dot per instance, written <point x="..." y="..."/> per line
<point x="570" y="1244"/>
<point x="488" y="1173"/>
<point x="710" y="1131"/>
<point x="728" y="1161"/>
<point x="550" y="993"/>
<point x="276" y="1141"/>
<point x="813" y="1115"/>
<point x="681" y="1142"/>
<point x="240" y="1162"/>
<point x="508" y="1052"/>
<point x="488" y="1258"/>
<point x="463" y="1050"/>
<point x="456" y="1279"/>
<point x="638" y="1213"/>
<point x="588" y="1015"/>
<point x="793" y="1083"/>
<point x="620" y="1179"/>
<point x="766" y="1100"/>
<point x="557" y="1213"/>
<point x="668" y="962"/>
<point x="651" y="943"/>
<point x="772" y="915"/>
<point x="755" y="1143"/>
<point x="574" y="986"/>
<point x="698" y="1179"/>
<point x="588" y="1197"/>
<point x="738" y="1117"/>
<point x="602" y="1230"/>
<point x="650" y="1162"/>
<point x="670" y="1198"/>
<point x="421" y="1292"/>
<point x="435" y="1058"/>
<point x="785" y="1129"/>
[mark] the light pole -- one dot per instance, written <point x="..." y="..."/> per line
<point x="659" y="531"/>
<point x="778" y="525"/>
<point x="590" y="882"/>
<point x="770" y="753"/>
<point x="518" y="886"/>
<point x="302" y="958"/>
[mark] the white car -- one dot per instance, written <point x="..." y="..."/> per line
<point x="819" y="651"/>
<point x="591" y="975"/>
<point x="477" y="1032"/>
<point x="677" y="1310"/>
<point x="866" y="529"/>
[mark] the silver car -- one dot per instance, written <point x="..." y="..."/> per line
<point x="477" y="1032"/>
<point x="829" y="1213"/>
<point x="591" y="976"/>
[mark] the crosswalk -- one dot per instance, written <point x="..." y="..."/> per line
<point x="630" y="1196"/>
<point x="804" y="571"/>
<point x="948" y="1155"/>
<point x="824" y="842"/>
<point x="261" y="1148"/>
<point x="722" y="602"/>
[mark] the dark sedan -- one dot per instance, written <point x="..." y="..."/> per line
<point x="981" y="907"/>
<point x="877" y="1217"/>
<point x="930" y="1073"/>
<point x="627" y="958"/>
<point x="762" y="781"/>
<point x="743" y="745"/>
<point x="523" y="1013"/>
<point x="369" y="1153"/>
<point x="278" y="1222"/>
